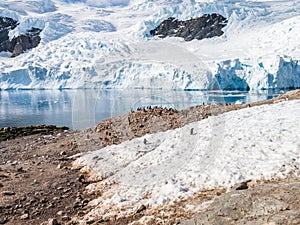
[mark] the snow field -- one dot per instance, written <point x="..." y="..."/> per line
<point x="253" y="143"/>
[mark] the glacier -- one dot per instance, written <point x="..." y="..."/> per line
<point x="107" y="44"/>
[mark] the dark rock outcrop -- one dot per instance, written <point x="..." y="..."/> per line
<point x="20" y="43"/>
<point x="26" y="41"/>
<point x="206" y="26"/>
<point x="8" y="133"/>
<point x="6" y="25"/>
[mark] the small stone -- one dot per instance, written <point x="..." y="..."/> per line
<point x="20" y="170"/>
<point x="3" y="221"/>
<point x="62" y="153"/>
<point x="33" y="200"/>
<point x="51" y="205"/>
<point x="47" y="136"/>
<point x="8" y="193"/>
<point x="141" y="208"/>
<point x="85" y="202"/>
<point x="8" y="206"/>
<point x="52" y="221"/>
<point x="76" y="205"/>
<point x="67" y="190"/>
<point x="25" y="216"/>
<point x="60" y="213"/>
<point x="65" y="196"/>
<point x="65" y="218"/>
<point x="80" y="213"/>
<point x="19" y="206"/>
<point x="23" y="198"/>
<point x="39" y="193"/>
<point x="26" y="175"/>
<point x="184" y="189"/>
<point x="90" y="221"/>
<point x="55" y="198"/>
<point x="81" y="178"/>
<point x="14" y="163"/>
<point x="242" y="186"/>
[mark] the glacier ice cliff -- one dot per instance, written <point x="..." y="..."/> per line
<point x="84" y="45"/>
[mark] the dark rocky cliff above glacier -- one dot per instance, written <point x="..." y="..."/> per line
<point x="18" y="44"/>
<point x="206" y="26"/>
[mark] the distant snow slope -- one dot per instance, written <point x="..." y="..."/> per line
<point x="106" y="44"/>
<point x="167" y="167"/>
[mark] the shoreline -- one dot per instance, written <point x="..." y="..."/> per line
<point x="63" y="104"/>
<point x="187" y="115"/>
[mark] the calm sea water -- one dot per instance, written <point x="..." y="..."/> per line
<point x="79" y="109"/>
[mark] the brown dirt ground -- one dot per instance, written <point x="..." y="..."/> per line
<point x="37" y="184"/>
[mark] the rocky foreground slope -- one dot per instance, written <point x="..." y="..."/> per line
<point x="272" y="202"/>
<point x="37" y="185"/>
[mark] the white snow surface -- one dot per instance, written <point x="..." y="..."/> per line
<point x="106" y="44"/>
<point x="253" y="143"/>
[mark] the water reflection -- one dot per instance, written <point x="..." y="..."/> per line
<point x="84" y="108"/>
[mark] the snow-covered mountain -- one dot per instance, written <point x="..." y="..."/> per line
<point x="107" y="44"/>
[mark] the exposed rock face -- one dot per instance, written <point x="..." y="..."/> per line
<point x="206" y="26"/>
<point x="6" y="25"/>
<point x="24" y="42"/>
<point x="20" y="43"/>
